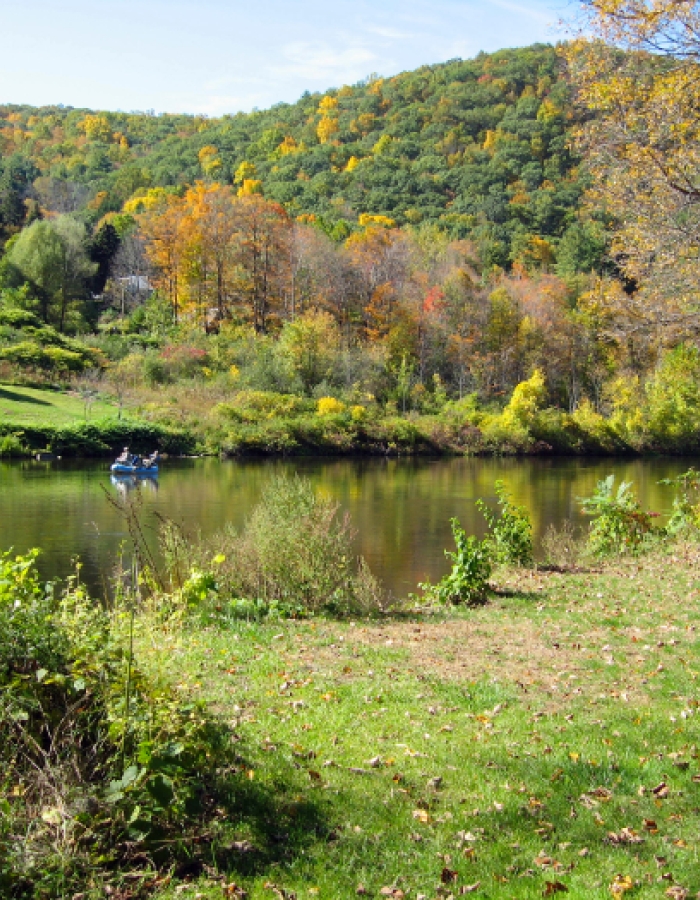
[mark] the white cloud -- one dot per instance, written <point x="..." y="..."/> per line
<point x="314" y="61"/>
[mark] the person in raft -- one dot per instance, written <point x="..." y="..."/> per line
<point x="124" y="458"/>
<point x="151" y="460"/>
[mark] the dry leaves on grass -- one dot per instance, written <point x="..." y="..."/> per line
<point x="620" y="885"/>
<point x="279" y="892"/>
<point x="676" y="892"/>
<point x="554" y="887"/>
<point x="624" y="836"/>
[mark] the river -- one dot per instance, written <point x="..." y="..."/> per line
<point x="400" y="508"/>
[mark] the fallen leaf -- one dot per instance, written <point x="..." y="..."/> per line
<point x="234" y="891"/>
<point x="660" y="791"/>
<point x="676" y="892"/>
<point x="470" y="888"/>
<point x="421" y="815"/>
<point x="651" y="826"/>
<point x="279" y="892"/>
<point x="620" y="885"/>
<point x="601" y="792"/>
<point x="625" y="836"/>
<point x="448" y="876"/>
<point x="554" y="887"/>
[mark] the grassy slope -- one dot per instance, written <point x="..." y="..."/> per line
<point x="33" y="406"/>
<point x="550" y="715"/>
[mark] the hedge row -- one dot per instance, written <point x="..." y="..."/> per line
<point x="102" y="437"/>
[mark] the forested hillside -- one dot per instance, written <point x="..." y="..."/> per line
<point x="411" y="263"/>
<point x="477" y="146"/>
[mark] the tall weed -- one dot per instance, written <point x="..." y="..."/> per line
<point x="510" y="530"/>
<point x="619" y="525"/>
<point x="467" y="582"/>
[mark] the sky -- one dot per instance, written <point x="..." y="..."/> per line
<point x="225" y="56"/>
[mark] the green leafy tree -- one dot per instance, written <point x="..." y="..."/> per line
<point x="51" y="256"/>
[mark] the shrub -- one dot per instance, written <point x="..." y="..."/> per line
<point x="294" y="557"/>
<point x="259" y="406"/>
<point x="685" y="514"/>
<point x="673" y="401"/>
<point x="526" y="400"/>
<point x="510" y="537"/>
<point x="155" y="369"/>
<point x="103" y="759"/>
<point x="11" y="445"/>
<point x="471" y="569"/>
<point x="619" y="523"/>
<point x="329" y="406"/>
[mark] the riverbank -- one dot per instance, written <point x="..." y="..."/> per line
<point x="69" y="424"/>
<point x="543" y="743"/>
<point x="194" y="418"/>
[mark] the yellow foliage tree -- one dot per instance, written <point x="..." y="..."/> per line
<point x="634" y="68"/>
<point x="249" y="187"/>
<point x="327" y="127"/>
<point x="209" y="159"/>
<point x="245" y="172"/>
<point x="96" y="128"/>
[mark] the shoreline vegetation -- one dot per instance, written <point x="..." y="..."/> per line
<point x="253" y="718"/>
<point x="198" y="417"/>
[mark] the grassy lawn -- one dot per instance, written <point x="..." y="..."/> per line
<point x="33" y="406"/>
<point x="545" y="743"/>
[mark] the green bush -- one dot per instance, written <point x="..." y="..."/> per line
<point x="259" y="406"/>
<point x="510" y="531"/>
<point x="685" y="514"/>
<point x="12" y="445"/>
<point x="619" y="523"/>
<point x="103" y="760"/>
<point x="471" y="569"/>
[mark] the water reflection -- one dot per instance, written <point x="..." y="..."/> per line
<point x="400" y="508"/>
<point x="125" y="484"/>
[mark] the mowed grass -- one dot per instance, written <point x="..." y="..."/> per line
<point x="35" y="407"/>
<point x="545" y="743"/>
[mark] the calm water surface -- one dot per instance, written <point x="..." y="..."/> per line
<point x="400" y="508"/>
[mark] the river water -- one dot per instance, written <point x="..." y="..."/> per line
<point x="400" y="508"/>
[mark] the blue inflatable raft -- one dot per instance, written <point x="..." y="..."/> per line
<point x="141" y="471"/>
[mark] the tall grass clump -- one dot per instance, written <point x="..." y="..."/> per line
<point x="294" y="557"/>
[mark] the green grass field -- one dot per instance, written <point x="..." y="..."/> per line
<point x="33" y="406"/>
<point x="545" y="743"/>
